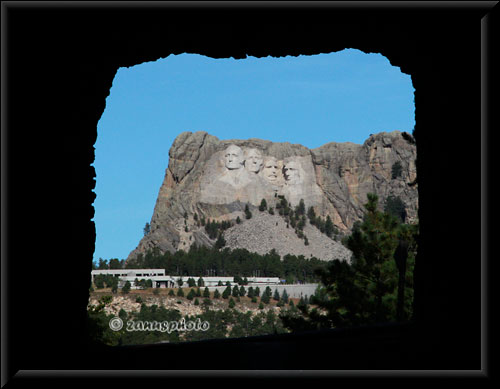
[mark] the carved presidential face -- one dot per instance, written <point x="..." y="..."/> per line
<point x="233" y="157"/>
<point x="253" y="160"/>
<point x="271" y="169"/>
<point x="291" y="171"/>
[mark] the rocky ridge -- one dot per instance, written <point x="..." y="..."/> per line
<point x="214" y="179"/>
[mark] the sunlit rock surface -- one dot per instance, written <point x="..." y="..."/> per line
<point x="214" y="179"/>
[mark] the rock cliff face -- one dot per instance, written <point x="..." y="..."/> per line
<point x="214" y="179"/>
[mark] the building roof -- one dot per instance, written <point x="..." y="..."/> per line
<point x="152" y="278"/>
<point x="212" y="279"/>
<point x="127" y="271"/>
<point x="134" y="273"/>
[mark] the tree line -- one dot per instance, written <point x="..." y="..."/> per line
<point x="205" y="261"/>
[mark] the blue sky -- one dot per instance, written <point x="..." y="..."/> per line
<point x="310" y="100"/>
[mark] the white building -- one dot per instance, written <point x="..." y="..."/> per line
<point x="157" y="276"/>
<point x="214" y="281"/>
<point x="130" y="272"/>
<point x="157" y="281"/>
<point x="161" y="280"/>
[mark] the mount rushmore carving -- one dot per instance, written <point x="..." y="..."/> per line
<point x="214" y="179"/>
<point x="247" y="175"/>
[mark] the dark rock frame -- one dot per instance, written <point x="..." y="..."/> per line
<point x="60" y="64"/>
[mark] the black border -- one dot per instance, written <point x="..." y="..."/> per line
<point x="56" y="58"/>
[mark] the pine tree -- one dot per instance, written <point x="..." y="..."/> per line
<point x="320" y="223"/>
<point x="301" y="208"/>
<point x="237" y="280"/>
<point x="231" y="303"/>
<point x="301" y="224"/>
<point x="180" y="293"/>
<point x="248" y="214"/>
<point x="311" y="215"/>
<point x="191" y="295"/>
<point x="216" y="294"/>
<point x="263" y="205"/>
<point x="242" y="291"/>
<point x="329" y="227"/>
<point x="266" y="296"/>
<point x="365" y="291"/>
<point x="99" y="282"/>
<point x="276" y="295"/>
<point x="126" y="287"/>
<point x="268" y="291"/>
<point x="238" y="220"/>
<point x="284" y="296"/>
<point x="206" y="293"/>
<point x="236" y="291"/>
<point x="226" y="293"/>
<point x="122" y="314"/>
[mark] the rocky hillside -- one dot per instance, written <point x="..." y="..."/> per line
<point x="208" y="179"/>
<point x="186" y="307"/>
<point x="264" y="232"/>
